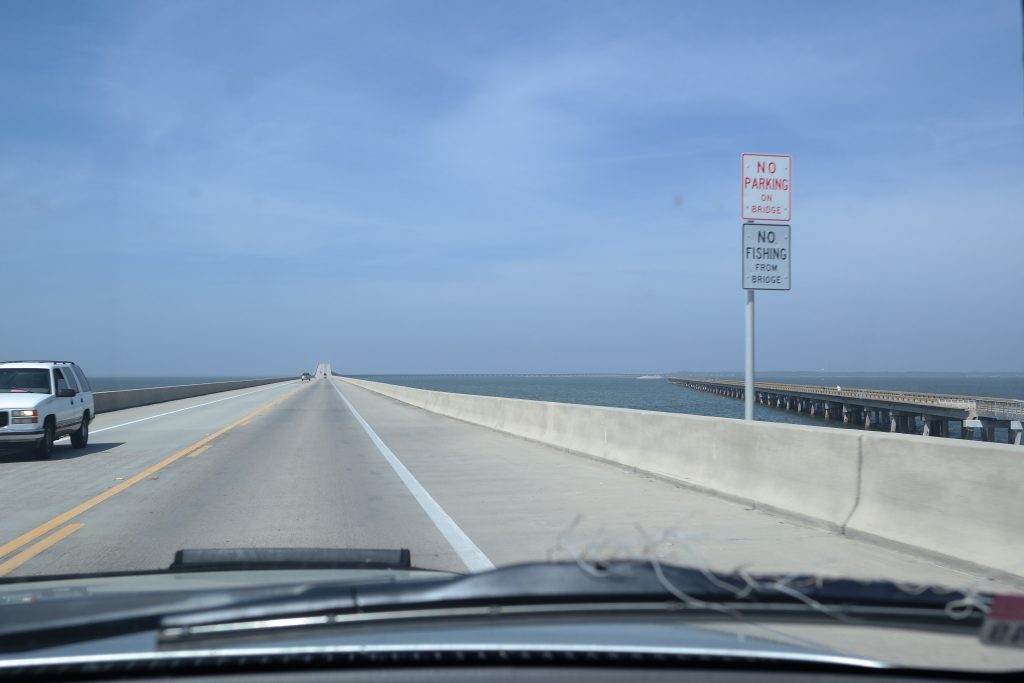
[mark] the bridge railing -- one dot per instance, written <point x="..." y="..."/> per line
<point x="997" y="408"/>
<point x="1001" y="409"/>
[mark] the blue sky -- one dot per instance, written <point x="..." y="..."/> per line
<point x="247" y="187"/>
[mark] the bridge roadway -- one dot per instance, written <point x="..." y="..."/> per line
<point x="325" y="463"/>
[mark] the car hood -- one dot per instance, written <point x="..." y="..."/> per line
<point x="20" y="400"/>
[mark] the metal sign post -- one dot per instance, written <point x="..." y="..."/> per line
<point x="767" y="254"/>
<point x="748" y="377"/>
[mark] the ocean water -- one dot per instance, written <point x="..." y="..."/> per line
<point x="627" y="391"/>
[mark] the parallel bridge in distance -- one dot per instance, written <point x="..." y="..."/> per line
<point x="897" y="411"/>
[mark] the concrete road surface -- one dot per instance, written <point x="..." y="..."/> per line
<point x="327" y="464"/>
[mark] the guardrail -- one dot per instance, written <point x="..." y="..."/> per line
<point x="107" y="401"/>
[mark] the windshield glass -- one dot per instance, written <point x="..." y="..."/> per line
<point x="22" y="381"/>
<point x="732" y="286"/>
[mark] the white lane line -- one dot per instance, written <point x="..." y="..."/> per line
<point x="467" y="551"/>
<point x="179" y="410"/>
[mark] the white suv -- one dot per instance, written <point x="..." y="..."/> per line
<point x="41" y="401"/>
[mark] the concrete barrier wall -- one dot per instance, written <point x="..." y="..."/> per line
<point x="963" y="499"/>
<point x="107" y="401"/>
<point x="727" y="456"/>
<point x="955" y="498"/>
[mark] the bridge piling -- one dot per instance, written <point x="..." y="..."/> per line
<point x="988" y="430"/>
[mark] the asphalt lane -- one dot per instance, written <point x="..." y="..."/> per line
<point x="301" y="473"/>
<point x="121" y="444"/>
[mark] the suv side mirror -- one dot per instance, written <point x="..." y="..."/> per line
<point x="65" y="391"/>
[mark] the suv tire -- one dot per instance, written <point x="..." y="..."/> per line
<point x="80" y="437"/>
<point x="44" y="447"/>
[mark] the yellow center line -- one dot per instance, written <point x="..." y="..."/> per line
<point x="46" y="527"/>
<point x="30" y="552"/>
<point x="200" y="450"/>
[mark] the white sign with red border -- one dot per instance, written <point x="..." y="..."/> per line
<point x="767" y="187"/>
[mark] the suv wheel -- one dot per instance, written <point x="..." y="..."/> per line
<point x="80" y="437"/>
<point x="44" y="447"/>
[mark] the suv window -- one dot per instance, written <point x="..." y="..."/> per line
<point x="73" y="379"/>
<point x="82" y="380"/>
<point x="58" y="377"/>
<point x="24" y="380"/>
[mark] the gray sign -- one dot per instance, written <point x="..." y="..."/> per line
<point x="766" y="256"/>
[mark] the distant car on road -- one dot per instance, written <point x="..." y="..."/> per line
<point x="43" y="400"/>
<point x="306" y="377"/>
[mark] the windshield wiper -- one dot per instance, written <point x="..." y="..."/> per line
<point x="247" y="559"/>
<point x="233" y="559"/>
